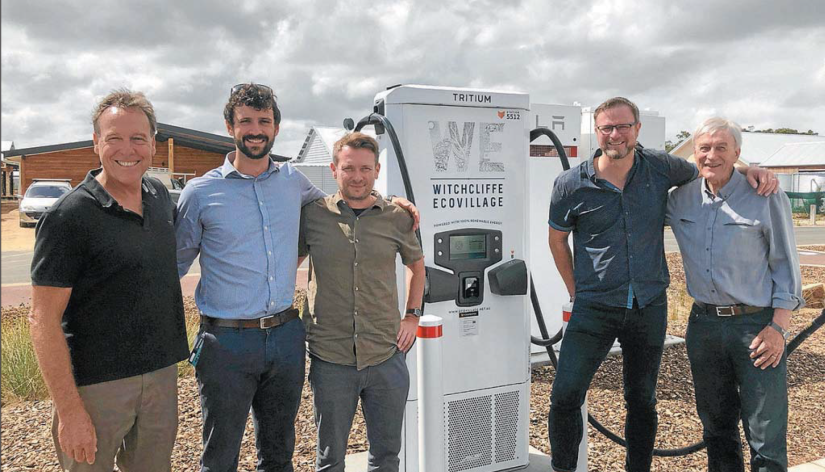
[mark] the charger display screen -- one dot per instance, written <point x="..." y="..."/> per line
<point x="468" y="247"/>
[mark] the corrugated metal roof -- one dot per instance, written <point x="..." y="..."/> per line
<point x="797" y="155"/>
<point x="756" y="147"/>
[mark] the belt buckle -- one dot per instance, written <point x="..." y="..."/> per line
<point x="724" y="311"/>
<point x="262" y="321"/>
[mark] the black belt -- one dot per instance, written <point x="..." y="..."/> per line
<point x="266" y="322"/>
<point x="727" y="310"/>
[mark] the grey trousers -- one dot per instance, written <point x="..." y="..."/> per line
<point x="383" y="392"/>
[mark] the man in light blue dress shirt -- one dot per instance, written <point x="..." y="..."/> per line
<point x="742" y="269"/>
<point x="242" y="218"/>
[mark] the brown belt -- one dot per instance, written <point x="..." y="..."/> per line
<point x="266" y="322"/>
<point x="728" y="310"/>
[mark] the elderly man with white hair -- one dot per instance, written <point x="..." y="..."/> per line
<point x="742" y="269"/>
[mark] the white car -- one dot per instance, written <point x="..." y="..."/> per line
<point x="41" y="195"/>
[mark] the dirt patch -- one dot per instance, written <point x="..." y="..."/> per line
<point x="14" y="238"/>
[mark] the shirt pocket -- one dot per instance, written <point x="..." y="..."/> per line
<point x="742" y="238"/>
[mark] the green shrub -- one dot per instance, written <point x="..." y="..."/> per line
<point x="21" y="379"/>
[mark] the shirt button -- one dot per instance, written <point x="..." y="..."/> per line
<point x="271" y="303"/>
<point x="271" y="277"/>
<point x="356" y="264"/>
<point x="356" y="289"/>
<point x="266" y="228"/>
<point x="356" y="240"/>
<point x="269" y="252"/>
<point x="260" y="203"/>
<point x="707" y="270"/>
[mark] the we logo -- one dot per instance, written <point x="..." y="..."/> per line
<point x="457" y="146"/>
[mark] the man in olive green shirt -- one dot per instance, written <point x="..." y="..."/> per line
<point x="357" y="338"/>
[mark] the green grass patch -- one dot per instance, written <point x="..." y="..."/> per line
<point x="192" y="325"/>
<point x="21" y="379"/>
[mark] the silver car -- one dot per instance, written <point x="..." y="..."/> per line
<point x="41" y="195"/>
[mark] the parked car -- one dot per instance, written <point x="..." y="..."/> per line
<point x="41" y="195"/>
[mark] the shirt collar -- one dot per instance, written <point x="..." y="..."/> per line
<point x="336" y="202"/>
<point x="104" y="197"/>
<point x="736" y="181"/>
<point x="228" y="168"/>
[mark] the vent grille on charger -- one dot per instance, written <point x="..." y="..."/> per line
<point x="471" y="428"/>
<point x="470" y="433"/>
<point x="506" y="426"/>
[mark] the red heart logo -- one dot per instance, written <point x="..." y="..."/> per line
<point x="501" y="114"/>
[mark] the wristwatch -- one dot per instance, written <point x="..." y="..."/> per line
<point x="416" y="312"/>
<point x="785" y="334"/>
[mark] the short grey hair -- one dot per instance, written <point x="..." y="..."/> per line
<point x="125" y="98"/>
<point x="712" y="125"/>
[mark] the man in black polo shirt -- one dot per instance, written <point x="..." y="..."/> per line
<point x="107" y="312"/>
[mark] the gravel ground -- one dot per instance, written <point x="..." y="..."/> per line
<point x="27" y="446"/>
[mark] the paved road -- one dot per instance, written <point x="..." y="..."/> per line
<point x="16" y="265"/>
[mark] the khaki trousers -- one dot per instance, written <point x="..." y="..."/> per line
<point x="135" y="420"/>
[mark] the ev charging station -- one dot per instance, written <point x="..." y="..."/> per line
<point x="466" y="157"/>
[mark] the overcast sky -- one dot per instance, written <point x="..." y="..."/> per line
<point x="760" y="63"/>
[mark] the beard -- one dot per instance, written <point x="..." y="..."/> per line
<point x="618" y="154"/>
<point x="267" y="146"/>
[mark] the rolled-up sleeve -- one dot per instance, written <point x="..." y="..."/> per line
<point x="561" y="215"/>
<point x="783" y="258"/>
<point x="188" y="229"/>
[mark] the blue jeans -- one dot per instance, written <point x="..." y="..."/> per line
<point x="258" y="368"/>
<point x="383" y="392"/>
<point x="590" y="334"/>
<point x="729" y="387"/>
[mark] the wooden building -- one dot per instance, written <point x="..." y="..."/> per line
<point x="185" y="152"/>
<point x="7" y="171"/>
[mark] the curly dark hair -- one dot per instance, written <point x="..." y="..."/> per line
<point x="259" y="97"/>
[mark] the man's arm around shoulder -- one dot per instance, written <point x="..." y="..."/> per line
<point x="76" y="433"/>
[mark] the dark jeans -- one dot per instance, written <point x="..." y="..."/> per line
<point x="590" y="334"/>
<point x="258" y="368"/>
<point x="383" y="392"/>
<point x="729" y="387"/>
